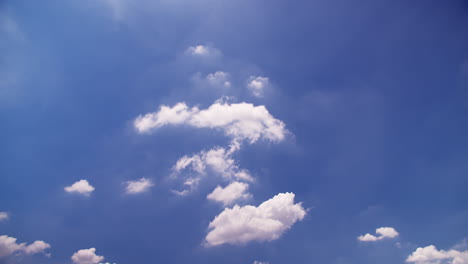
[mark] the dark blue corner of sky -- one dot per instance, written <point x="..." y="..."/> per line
<point x="374" y="94"/>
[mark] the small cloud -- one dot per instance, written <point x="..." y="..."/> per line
<point x="257" y="85"/>
<point x="203" y="51"/>
<point x="228" y="195"/>
<point x="8" y="246"/>
<point x="219" y="79"/>
<point x="80" y="187"/>
<point x="431" y="255"/>
<point x="4" y="216"/>
<point x="260" y="262"/>
<point x="86" y="256"/>
<point x="138" y="186"/>
<point x="383" y="232"/>
<point x="267" y="222"/>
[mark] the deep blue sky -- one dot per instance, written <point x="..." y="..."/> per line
<point x="374" y="94"/>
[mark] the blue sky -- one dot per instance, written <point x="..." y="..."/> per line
<point x="277" y="131"/>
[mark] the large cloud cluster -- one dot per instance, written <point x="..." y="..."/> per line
<point x="8" y="246"/>
<point x="431" y="255"/>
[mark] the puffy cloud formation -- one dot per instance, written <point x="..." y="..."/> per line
<point x="257" y="85"/>
<point x="266" y="222"/>
<point x="239" y="121"/>
<point x="383" y="232"/>
<point x="4" y="216"/>
<point x="138" y="186"/>
<point x="203" y="51"/>
<point x="86" y="256"/>
<point x="219" y="79"/>
<point x="233" y="192"/>
<point x="217" y="160"/>
<point x="430" y="255"/>
<point x="82" y="187"/>
<point x="9" y="246"/>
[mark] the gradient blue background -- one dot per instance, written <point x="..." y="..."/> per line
<point x="375" y="93"/>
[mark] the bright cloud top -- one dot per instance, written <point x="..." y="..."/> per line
<point x="239" y="121"/>
<point x="9" y="246"/>
<point x="383" y="232"/>
<point x="266" y="222"/>
<point x="86" y="256"/>
<point x="228" y="195"/>
<point x="257" y="85"/>
<point x="430" y="255"/>
<point x="4" y="216"/>
<point x="138" y="186"/>
<point x="203" y="51"/>
<point x="82" y="187"/>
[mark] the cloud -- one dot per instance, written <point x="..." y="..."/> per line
<point x="260" y="262"/>
<point x="218" y="161"/>
<point x="86" y="256"/>
<point x="242" y="121"/>
<point x="81" y="187"/>
<point x="138" y="186"/>
<point x="266" y="222"/>
<point x="384" y="232"/>
<point x="219" y="79"/>
<point x="4" y="216"/>
<point x="229" y="194"/>
<point x="9" y="246"/>
<point x="203" y="51"/>
<point x="430" y="255"/>
<point x="257" y="85"/>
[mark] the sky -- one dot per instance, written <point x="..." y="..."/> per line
<point x="222" y="131"/>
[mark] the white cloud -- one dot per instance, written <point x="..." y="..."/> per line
<point x="266" y="222"/>
<point x="233" y="192"/>
<point x="219" y="79"/>
<point x="203" y="51"/>
<point x="430" y="255"/>
<point x="257" y="85"/>
<point x="82" y="187"/>
<point x="138" y="186"/>
<point x="384" y="232"/>
<point x="260" y="262"/>
<point x="86" y="256"/>
<point x="4" y="216"/>
<point x="217" y="160"/>
<point x="239" y="121"/>
<point x="9" y="246"/>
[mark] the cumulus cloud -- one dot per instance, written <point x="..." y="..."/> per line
<point x="218" y="161"/>
<point x="268" y="221"/>
<point x="257" y="85"/>
<point x="138" y="186"/>
<point x="219" y="79"/>
<point x="430" y="255"/>
<point x="383" y="232"/>
<point x="203" y="51"/>
<point x="82" y="187"/>
<point x="86" y="256"/>
<point x="242" y="121"/>
<point x="4" y="216"/>
<point x="8" y="246"/>
<point x="233" y="192"/>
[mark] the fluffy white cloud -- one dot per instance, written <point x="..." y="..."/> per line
<point x="218" y="160"/>
<point x="86" y="256"/>
<point x="4" y="216"/>
<point x="219" y="79"/>
<point x="383" y="232"/>
<point x="203" y="51"/>
<point x="233" y="192"/>
<point x="82" y="187"/>
<point x="239" y="121"/>
<point x="257" y="85"/>
<point x="138" y="186"/>
<point x="9" y="246"/>
<point x="430" y="255"/>
<point x="266" y="222"/>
